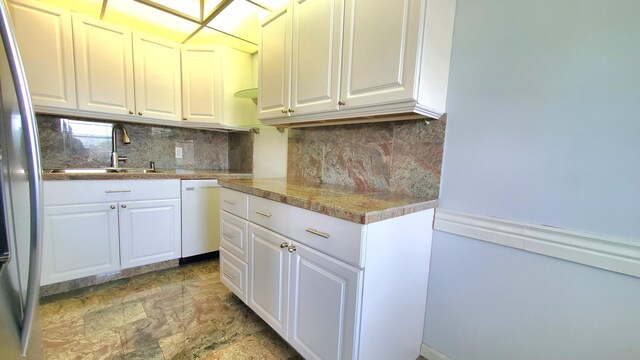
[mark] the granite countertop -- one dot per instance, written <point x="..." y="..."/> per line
<point x="162" y="174"/>
<point x="359" y="206"/>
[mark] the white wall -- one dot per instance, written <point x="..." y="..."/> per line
<point x="543" y="127"/>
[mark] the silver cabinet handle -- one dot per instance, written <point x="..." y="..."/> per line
<point x="230" y="202"/>
<point x="291" y="248"/>
<point x="284" y="245"/>
<point x="34" y="171"/>
<point x="229" y="275"/>
<point x="318" y="233"/>
<point x="190" y="188"/>
<point x="123" y="206"/>
<point x="116" y="191"/>
<point x="113" y="206"/>
<point x="264" y="213"/>
<point x="227" y="236"/>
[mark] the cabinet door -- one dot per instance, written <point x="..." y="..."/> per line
<point x="269" y="277"/>
<point x="46" y="47"/>
<point x="201" y="84"/>
<point x="274" y="79"/>
<point x="79" y="241"/>
<point x="322" y="306"/>
<point x="104" y="66"/>
<point x="149" y="232"/>
<point x="157" y="77"/>
<point x="316" y="55"/>
<point x="380" y="52"/>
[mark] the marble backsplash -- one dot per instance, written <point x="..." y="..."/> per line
<point x="398" y="156"/>
<point x="66" y="143"/>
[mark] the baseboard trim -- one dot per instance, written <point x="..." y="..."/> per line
<point x="430" y="353"/>
<point x="609" y="253"/>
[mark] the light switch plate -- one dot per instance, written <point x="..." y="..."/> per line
<point x="178" y="152"/>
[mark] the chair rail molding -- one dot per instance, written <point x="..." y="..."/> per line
<point x="605" y="252"/>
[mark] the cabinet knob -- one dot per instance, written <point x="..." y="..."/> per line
<point x="139" y="113"/>
<point x="130" y="112"/>
<point x="123" y="206"/>
<point x="184" y="118"/>
<point x="284" y="245"/>
<point x="341" y="102"/>
<point x="292" y="248"/>
<point x="113" y="206"/>
<point x="284" y="111"/>
<point x="291" y="110"/>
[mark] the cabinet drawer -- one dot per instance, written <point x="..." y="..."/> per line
<point x="270" y="214"/>
<point x="233" y="273"/>
<point x="233" y="235"/>
<point x="338" y="238"/>
<point x="335" y="237"/>
<point x="234" y="202"/>
<point x="64" y="192"/>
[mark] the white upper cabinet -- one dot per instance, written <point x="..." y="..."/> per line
<point x="380" y="58"/>
<point x="211" y="75"/>
<point x="353" y="58"/>
<point x="300" y="56"/>
<point x="157" y="77"/>
<point x="49" y="64"/>
<point x="274" y="65"/>
<point x="104" y="66"/>
<point x="201" y="84"/>
<point x="315" y="55"/>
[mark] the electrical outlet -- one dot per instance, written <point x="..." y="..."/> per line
<point x="178" y="152"/>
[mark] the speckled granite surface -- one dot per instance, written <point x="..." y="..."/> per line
<point x="87" y="143"/>
<point x="359" y="206"/>
<point x="397" y="156"/>
<point x="163" y="174"/>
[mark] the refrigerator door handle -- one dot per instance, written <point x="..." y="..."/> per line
<point x="30" y="136"/>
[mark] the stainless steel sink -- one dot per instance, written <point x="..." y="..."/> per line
<point x="108" y="170"/>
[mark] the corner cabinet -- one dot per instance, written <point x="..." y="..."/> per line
<point x="332" y="288"/>
<point x="340" y="61"/>
<point x="48" y="64"/>
<point x="211" y="75"/>
<point x="97" y="226"/>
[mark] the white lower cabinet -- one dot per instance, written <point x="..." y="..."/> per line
<point x="70" y="251"/>
<point x="269" y="277"/>
<point x="322" y="305"/>
<point x="97" y="226"/>
<point x="333" y="289"/>
<point x="149" y="232"/>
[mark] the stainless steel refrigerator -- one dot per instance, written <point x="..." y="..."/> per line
<point x="21" y="210"/>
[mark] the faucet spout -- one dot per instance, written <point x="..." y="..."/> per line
<point x="115" y="159"/>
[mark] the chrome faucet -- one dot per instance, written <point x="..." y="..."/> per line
<point x="115" y="159"/>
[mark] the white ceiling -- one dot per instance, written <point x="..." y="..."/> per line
<point x="234" y="23"/>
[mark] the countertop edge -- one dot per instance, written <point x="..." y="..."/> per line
<point x="360" y="217"/>
<point x="152" y="176"/>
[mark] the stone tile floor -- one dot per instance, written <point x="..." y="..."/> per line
<point x="178" y="313"/>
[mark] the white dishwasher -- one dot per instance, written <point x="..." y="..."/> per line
<point x="200" y="217"/>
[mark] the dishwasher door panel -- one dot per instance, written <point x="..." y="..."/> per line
<point x="200" y="217"/>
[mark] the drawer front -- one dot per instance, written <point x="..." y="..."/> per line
<point x="233" y="235"/>
<point x="233" y="274"/>
<point x="338" y="238"/>
<point x="64" y="192"/>
<point x="234" y="202"/>
<point x="270" y="214"/>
